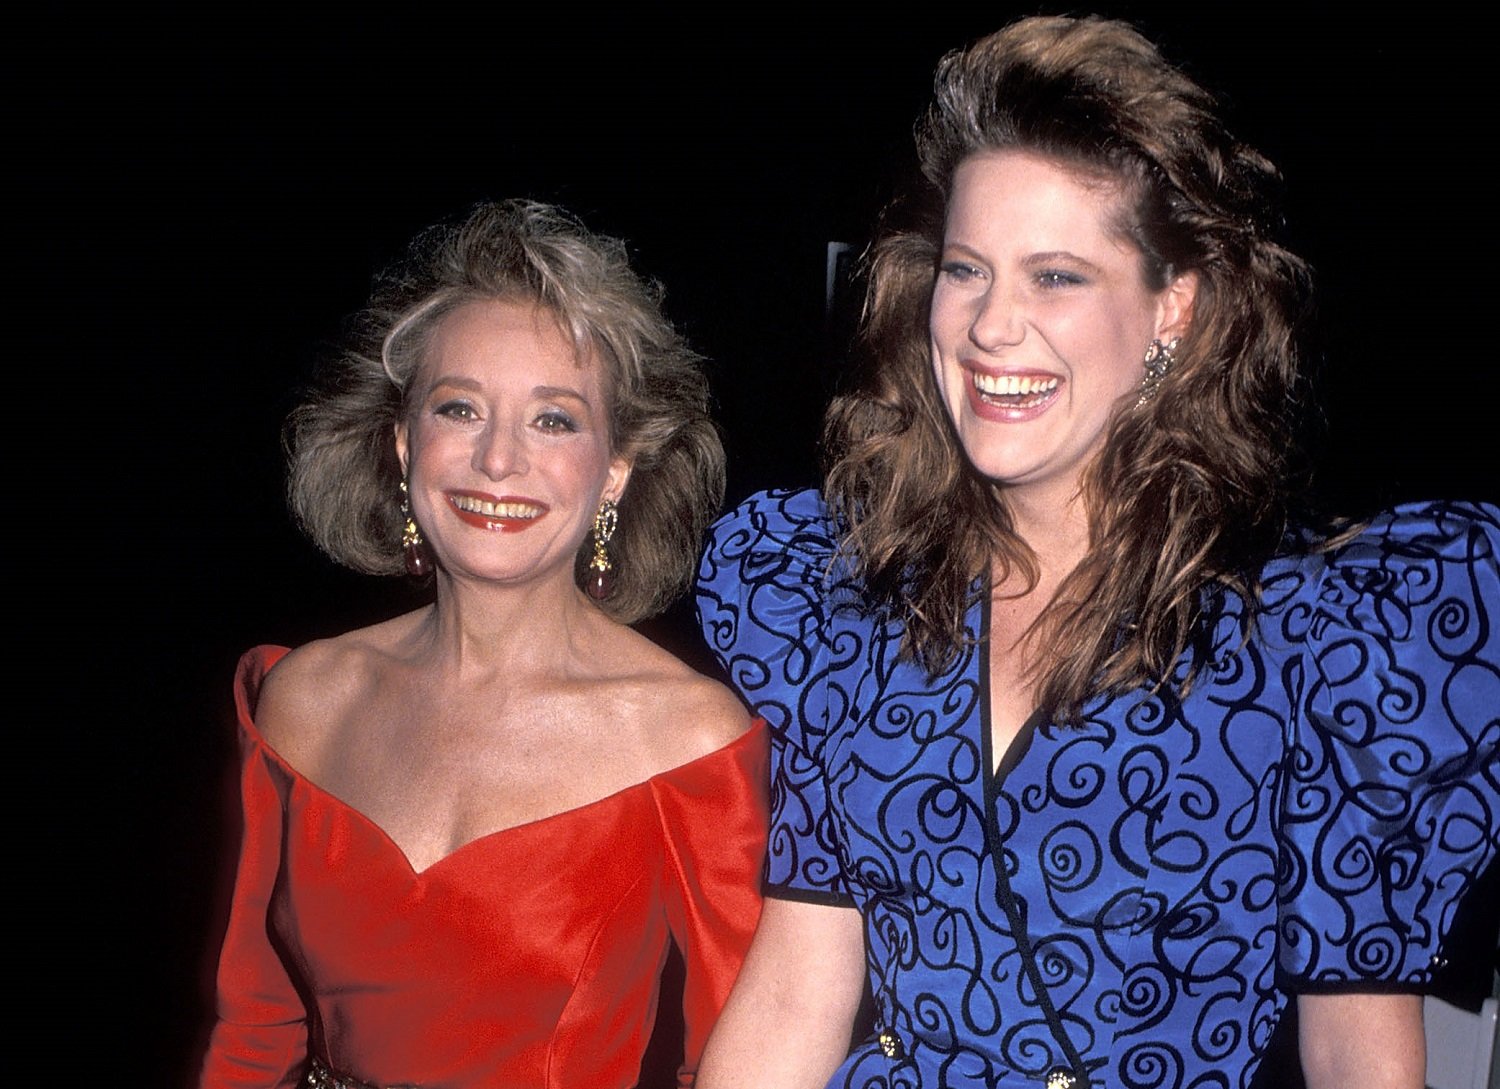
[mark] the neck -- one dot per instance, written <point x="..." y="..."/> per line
<point x="1054" y="526"/>
<point x="478" y="629"/>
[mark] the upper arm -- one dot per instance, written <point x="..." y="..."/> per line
<point x="1393" y="804"/>
<point x="260" y="1037"/>
<point x="713" y="820"/>
<point x="767" y="589"/>
<point x="1373" y="1041"/>
<point x="1390" y="803"/>
<point x="764" y="592"/>
<point x="789" y="1018"/>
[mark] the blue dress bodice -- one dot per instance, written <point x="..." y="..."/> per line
<point x="1129" y="901"/>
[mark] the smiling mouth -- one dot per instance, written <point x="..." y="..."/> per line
<point x="509" y="510"/>
<point x="1014" y="390"/>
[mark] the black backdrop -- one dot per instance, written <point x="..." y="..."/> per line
<point x="213" y="191"/>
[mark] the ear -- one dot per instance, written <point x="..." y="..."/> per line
<point x="619" y="476"/>
<point x="1174" y="307"/>
<point x="401" y="445"/>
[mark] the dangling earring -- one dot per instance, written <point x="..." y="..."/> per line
<point x="1158" y="361"/>
<point x="601" y="581"/>
<point x="413" y="548"/>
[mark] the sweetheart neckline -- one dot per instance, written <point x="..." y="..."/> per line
<point x="266" y="657"/>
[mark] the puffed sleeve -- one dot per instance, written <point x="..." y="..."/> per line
<point x="713" y="819"/>
<point x="260" y="1036"/>
<point x="1391" y="806"/>
<point x="765" y="588"/>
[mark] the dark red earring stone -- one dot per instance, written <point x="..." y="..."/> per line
<point x="418" y="562"/>
<point x="600" y="585"/>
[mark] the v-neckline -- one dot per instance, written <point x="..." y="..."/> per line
<point x="358" y="815"/>
<point x="1010" y="904"/>
<point x="264" y="664"/>
<point x="1019" y="744"/>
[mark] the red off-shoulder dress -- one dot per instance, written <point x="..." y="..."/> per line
<point x="529" y="957"/>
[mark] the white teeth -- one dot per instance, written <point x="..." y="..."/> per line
<point x="1012" y="385"/>
<point x="495" y="510"/>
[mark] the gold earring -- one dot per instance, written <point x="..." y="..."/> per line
<point x="602" y="572"/>
<point x="413" y="547"/>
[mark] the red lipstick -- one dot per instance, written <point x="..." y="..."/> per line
<point x="499" y="514"/>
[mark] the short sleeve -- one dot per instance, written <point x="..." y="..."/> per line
<point x="713" y="819"/>
<point x="1391" y="795"/>
<point x="765" y="588"/>
<point x="260" y="1035"/>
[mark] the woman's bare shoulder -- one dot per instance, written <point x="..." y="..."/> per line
<point x="310" y="692"/>
<point x="704" y="714"/>
<point x="688" y="715"/>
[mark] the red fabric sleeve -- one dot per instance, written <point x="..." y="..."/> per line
<point x="713" y="816"/>
<point x="260" y="1037"/>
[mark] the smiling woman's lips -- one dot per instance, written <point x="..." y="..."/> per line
<point x="1011" y="397"/>
<point x="505" y="514"/>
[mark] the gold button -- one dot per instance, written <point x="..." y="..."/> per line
<point x="1060" y="1079"/>
<point x="890" y="1045"/>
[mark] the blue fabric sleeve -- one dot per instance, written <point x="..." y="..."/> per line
<point x="763" y="592"/>
<point x="1391" y="799"/>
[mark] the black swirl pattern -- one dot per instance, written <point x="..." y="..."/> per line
<point x="1136" y="898"/>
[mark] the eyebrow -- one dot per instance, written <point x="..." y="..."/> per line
<point x="455" y="382"/>
<point x="968" y="251"/>
<point x="1036" y="260"/>
<point x="557" y="392"/>
<point x="474" y="386"/>
<point x="1031" y="260"/>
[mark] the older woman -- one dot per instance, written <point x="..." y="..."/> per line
<point x="471" y="832"/>
<point x="1088" y="755"/>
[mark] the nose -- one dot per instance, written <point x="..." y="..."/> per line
<point x="997" y="320"/>
<point x="500" y="452"/>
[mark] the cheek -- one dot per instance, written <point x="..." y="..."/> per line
<point x="1111" y="344"/>
<point x="946" y="321"/>
<point x="582" y="467"/>
<point x="946" y="334"/>
<point x="421" y="447"/>
<point x="948" y="380"/>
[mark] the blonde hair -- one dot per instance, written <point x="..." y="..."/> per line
<point x="343" y="479"/>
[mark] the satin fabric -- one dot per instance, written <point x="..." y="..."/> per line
<point x="528" y="957"/>
<point x="1130" y="901"/>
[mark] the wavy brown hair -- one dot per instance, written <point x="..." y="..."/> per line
<point x="1190" y="491"/>
<point x="344" y="476"/>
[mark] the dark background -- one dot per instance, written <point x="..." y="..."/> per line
<point x="212" y="192"/>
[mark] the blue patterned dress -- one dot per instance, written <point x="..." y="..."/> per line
<point x="1128" y="903"/>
